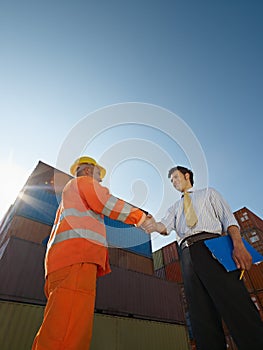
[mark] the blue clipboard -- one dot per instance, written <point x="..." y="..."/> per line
<point x="222" y="249"/>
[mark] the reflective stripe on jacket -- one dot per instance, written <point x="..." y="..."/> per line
<point x="79" y="234"/>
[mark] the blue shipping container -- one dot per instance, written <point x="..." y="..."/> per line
<point x="38" y="204"/>
<point x="127" y="237"/>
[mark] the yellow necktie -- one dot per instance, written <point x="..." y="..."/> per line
<point x="189" y="212"/>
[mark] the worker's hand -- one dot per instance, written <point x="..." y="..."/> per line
<point x="149" y="225"/>
<point x="242" y="257"/>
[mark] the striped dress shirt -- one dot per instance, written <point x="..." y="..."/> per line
<point x="214" y="214"/>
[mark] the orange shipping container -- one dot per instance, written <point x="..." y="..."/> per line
<point x="130" y="261"/>
<point x="173" y="272"/>
<point x="170" y="253"/>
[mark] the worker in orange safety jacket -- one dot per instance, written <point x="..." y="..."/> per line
<point x="76" y="255"/>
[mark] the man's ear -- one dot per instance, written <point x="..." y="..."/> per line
<point x="187" y="176"/>
<point x="87" y="171"/>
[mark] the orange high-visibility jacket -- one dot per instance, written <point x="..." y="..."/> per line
<point x="79" y="234"/>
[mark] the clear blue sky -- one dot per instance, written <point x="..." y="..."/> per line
<point x="202" y="60"/>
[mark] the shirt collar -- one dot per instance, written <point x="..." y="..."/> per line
<point x="192" y="189"/>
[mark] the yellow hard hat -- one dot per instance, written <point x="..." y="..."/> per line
<point x="86" y="160"/>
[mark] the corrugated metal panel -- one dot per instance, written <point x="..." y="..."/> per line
<point x="160" y="273"/>
<point x="122" y="292"/>
<point x="127" y="237"/>
<point x="256" y="276"/>
<point x="121" y="333"/>
<point x="26" y="229"/>
<point x="49" y="177"/>
<point x="22" y="272"/>
<point x="38" y="204"/>
<point x="130" y="261"/>
<point x="115" y="223"/>
<point x="170" y="253"/>
<point x="126" y="292"/>
<point x="157" y="259"/>
<point x="173" y="272"/>
<point x="20" y="322"/>
<point x="142" y="249"/>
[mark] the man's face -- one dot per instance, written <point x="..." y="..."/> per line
<point x="180" y="181"/>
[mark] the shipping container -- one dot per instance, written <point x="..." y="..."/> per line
<point x="20" y="322"/>
<point x="40" y="196"/>
<point x="119" y="333"/>
<point x="22" y="271"/>
<point x="38" y="204"/>
<point x="157" y="259"/>
<point x="170" y="253"/>
<point x="122" y="292"/>
<point x="160" y="273"/>
<point x="128" y="237"/>
<point x="126" y="292"/>
<point x="173" y="272"/>
<point x="26" y="229"/>
<point x="130" y="261"/>
<point x="48" y="177"/>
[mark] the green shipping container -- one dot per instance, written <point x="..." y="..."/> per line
<point x="20" y="322"/>
<point x="120" y="333"/>
<point x="158" y="259"/>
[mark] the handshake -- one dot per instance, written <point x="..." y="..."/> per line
<point x="150" y="225"/>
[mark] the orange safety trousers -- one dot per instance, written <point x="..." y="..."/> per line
<point x="69" y="312"/>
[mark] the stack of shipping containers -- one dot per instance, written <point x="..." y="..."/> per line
<point x="166" y="262"/>
<point x="135" y="307"/>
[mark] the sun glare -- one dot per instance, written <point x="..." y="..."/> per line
<point x="12" y="179"/>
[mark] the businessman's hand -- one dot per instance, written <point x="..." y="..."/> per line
<point x="149" y="224"/>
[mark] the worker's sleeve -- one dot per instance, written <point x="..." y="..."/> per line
<point x="102" y="202"/>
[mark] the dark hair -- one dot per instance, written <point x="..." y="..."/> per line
<point x="182" y="170"/>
